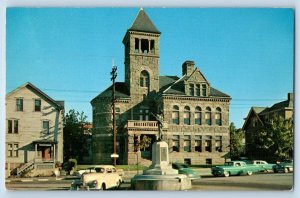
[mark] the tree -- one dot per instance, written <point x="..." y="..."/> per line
<point x="236" y="142"/>
<point x="74" y="138"/>
<point x="145" y="142"/>
<point x="275" y="138"/>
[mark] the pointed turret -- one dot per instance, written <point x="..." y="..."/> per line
<point x="142" y="23"/>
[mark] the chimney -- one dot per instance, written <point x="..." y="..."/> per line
<point x="290" y="97"/>
<point x="188" y="67"/>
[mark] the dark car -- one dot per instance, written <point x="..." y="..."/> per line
<point x="285" y="166"/>
<point x="186" y="170"/>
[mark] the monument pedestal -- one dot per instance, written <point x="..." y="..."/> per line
<point x="160" y="175"/>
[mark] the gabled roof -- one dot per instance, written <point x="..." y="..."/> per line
<point x="142" y="23"/>
<point x="255" y="111"/>
<point x="194" y="73"/>
<point x="121" y="91"/>
<point x="57" y="104"/>
<point x="175" y="86"/>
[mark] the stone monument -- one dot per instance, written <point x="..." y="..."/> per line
<point x="160" y="175"/>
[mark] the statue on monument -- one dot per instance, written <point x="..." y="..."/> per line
<point x="159" y="118"/>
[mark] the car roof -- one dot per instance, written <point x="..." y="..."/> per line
<point x="101" y="166"/>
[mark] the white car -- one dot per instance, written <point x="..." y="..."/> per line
<point x="105" y="177"/>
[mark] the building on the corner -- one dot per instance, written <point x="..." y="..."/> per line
<point x="259" y="116"/>
<point x="34" y="131"/>
<point x="195" y="114"/>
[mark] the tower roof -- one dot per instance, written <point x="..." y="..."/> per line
<point x="142" y="23"/>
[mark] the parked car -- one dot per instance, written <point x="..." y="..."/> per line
<point x="233" y="168"/>
<point x="262" y="166"/>
<point x="184" y="169"/>
<point x="105" y="177"/>
<point x="284" y="166"/>
<point x="94" y="169"/>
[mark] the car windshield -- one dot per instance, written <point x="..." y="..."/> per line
<point x="99" y="170"/>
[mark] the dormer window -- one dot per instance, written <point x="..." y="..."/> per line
<point x="204" y="90"/>
<point x="191" y="89"/>
<point x="198" y="90"/>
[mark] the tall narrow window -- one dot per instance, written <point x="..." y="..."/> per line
<point x="37" y="105"/>
<point x="16" y="126"/>
<point x="145" y="46"/>
<point x="144" y="79"/>
<point x="19" y="104"/>
<point x="208" y="143"/>
<point x="152" y="47"/>
<point x="219" y="143"/>
<point x="187" y="143"/>
<point x="46" y="127"/>
<point x="117" y="116"/>
<point x="175" y="115"/>
<point x="136" y="45"/>
<point x="198" y="115"/>
<point x="16" y="148"/>
<point x="9" y="126"/>
<point x="198" y="143"/>
<point x="191" y="89"/>
<point x="208" y="116"/>
<point x="198" y="90"/>
<point x="9" y="150"/>
<point x="204" y="93"/>
<point x="175" y="140"/>
<point x="218" y="116"/>
<point x="144" y="114"/>
<point x="187" y="115"/>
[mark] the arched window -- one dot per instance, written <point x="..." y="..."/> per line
<point x="198" y="115"/>
<point x="208" y="116"/>
<point x="187" y="115"/>
<point x="175" y="115"/>
<point x="218" y="116"/>
<point x="144" y="79"/>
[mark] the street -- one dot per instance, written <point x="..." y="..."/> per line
<point x="260" y="181"/>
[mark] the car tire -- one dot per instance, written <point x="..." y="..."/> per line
<point x="286" y="170"/>
<point x="249" y="173"/>
<point x="119" y="184"/>
<point x="103" y="186"/>
<point x="226" y="174"/>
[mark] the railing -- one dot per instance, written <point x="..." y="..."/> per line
<point x="28" y="166"/>
<point x="141" y="124"/>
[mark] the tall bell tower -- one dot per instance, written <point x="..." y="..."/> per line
<point x="141" y="43"/>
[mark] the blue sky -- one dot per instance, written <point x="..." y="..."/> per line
<point x="67" y="53"/>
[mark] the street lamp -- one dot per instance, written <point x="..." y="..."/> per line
<point x="113" y="77"/>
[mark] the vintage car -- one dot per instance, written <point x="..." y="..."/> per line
<point x="285" y="166"/>
<point x="262" y="165"/>
<point x="233" y="168"/>
<point x="94" y="169"/>
<point x="105" y="177"/>
<point x="184" y="169"/>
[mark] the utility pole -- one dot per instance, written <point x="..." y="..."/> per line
<point x="113" y="77"/>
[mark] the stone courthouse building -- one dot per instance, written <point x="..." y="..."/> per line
<point x="195" y="115"/>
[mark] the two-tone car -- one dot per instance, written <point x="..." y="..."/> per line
<point x="105" y="177"/>
<point x="233" y="168"/>
<point x="262" y="166"/>
<point x="285" y="166"/>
